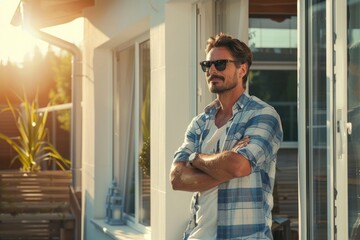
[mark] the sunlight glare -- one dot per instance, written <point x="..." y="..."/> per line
<point x="16" y="44"/>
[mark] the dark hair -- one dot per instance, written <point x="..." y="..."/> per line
<point x="238" y="49"/>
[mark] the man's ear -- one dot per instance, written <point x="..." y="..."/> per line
<point x="243" y="70"/>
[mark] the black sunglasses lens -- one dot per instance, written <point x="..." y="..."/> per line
<point x="205" y="65"/>
<point x="220" y="65"/>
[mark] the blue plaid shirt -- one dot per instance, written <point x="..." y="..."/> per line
<point x="245" y="203"/>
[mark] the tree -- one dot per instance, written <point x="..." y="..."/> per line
<point x="61" y="93"/>
<point x="49" y="75"/>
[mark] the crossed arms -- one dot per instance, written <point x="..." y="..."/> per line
<point x="210" y="170"/>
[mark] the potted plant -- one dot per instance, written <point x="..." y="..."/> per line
<point x="32" y="146"/>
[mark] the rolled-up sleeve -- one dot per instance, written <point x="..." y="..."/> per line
<point x="266" y="134"/>
<point x="190" y="143"/>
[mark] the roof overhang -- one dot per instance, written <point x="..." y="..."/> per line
<point x="47" y="13"/>
<point x="277" y="10"/>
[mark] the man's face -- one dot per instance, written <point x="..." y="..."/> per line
<point x="228" y="79"/>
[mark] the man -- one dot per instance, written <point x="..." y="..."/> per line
<point x="231" y="175"/>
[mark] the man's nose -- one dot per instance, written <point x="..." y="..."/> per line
<point x="212" y="69"/>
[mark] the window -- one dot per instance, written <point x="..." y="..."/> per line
<point x="273" y="76"/>
<point x="272" y="37"/>
<point x="278" y="88"/>
<point x="270" y="30"/>
<point x="132" y="131"/>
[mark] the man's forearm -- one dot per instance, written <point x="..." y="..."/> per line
<point x="187" y="178"/>
<point x="223" y="166"/>
<point x="210" y="170"/>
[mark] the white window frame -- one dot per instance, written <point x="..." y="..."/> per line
<point x="205" y="24"/>
<point x="341" y="107"/>
<point x="131" y="221"/>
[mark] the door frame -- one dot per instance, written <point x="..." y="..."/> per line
<point x="341" y="155"/>
<point x="336" y="103"/>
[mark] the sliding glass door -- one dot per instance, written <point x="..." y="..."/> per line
<point x="316" y="120"/>
<point x="353" y="114"/>
<point x="329" y="119"/>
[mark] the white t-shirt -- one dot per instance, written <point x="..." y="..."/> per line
<point x="206" y="216"/>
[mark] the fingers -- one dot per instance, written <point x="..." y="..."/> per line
<point x="246" y="139"/>
<point x="242" y="143"/>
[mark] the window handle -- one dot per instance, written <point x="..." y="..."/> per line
<point x="340" y="130"/>
<point x="342" y="127"/>
<point x="349" y="128"/>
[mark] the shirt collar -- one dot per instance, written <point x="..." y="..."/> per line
<point x="211" y="109"/>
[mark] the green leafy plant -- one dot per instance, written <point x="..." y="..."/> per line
<point x="61" y="92"/>
<point x="31" y="145"/>
<point x="144" y="156"/>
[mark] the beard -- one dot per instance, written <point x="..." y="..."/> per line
<point x="217" y="87"/>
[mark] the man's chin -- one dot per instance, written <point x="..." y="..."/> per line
<point x="213" y="88"/>
<point x="216" y="90"/>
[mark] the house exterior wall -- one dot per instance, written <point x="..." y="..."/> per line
<point x="110" y="24"/>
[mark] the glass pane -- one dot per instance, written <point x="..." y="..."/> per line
<point x="265" y="85"/>
<point x="130" y="190"/>
<point x="273" y="40"/>
<point x="354" y="117"/>
<point x="317" y="144"/>
<point x="144" y="181"/>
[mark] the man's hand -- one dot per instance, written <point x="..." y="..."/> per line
<point x="225" y="165"/>
<point x="242" y="143"/>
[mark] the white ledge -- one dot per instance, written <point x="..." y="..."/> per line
<point x="118" y="232"/>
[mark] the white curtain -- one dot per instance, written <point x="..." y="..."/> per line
<point x="232" y="17"/>
<point x="124" y="126"/>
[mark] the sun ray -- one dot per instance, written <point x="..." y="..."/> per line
<point x="16" y="43"/>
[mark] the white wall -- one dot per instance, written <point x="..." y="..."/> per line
<point x="171" y="58"/>
<point x="109" y="24"/>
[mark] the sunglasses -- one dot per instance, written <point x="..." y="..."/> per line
<point x="220" y="65"/>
